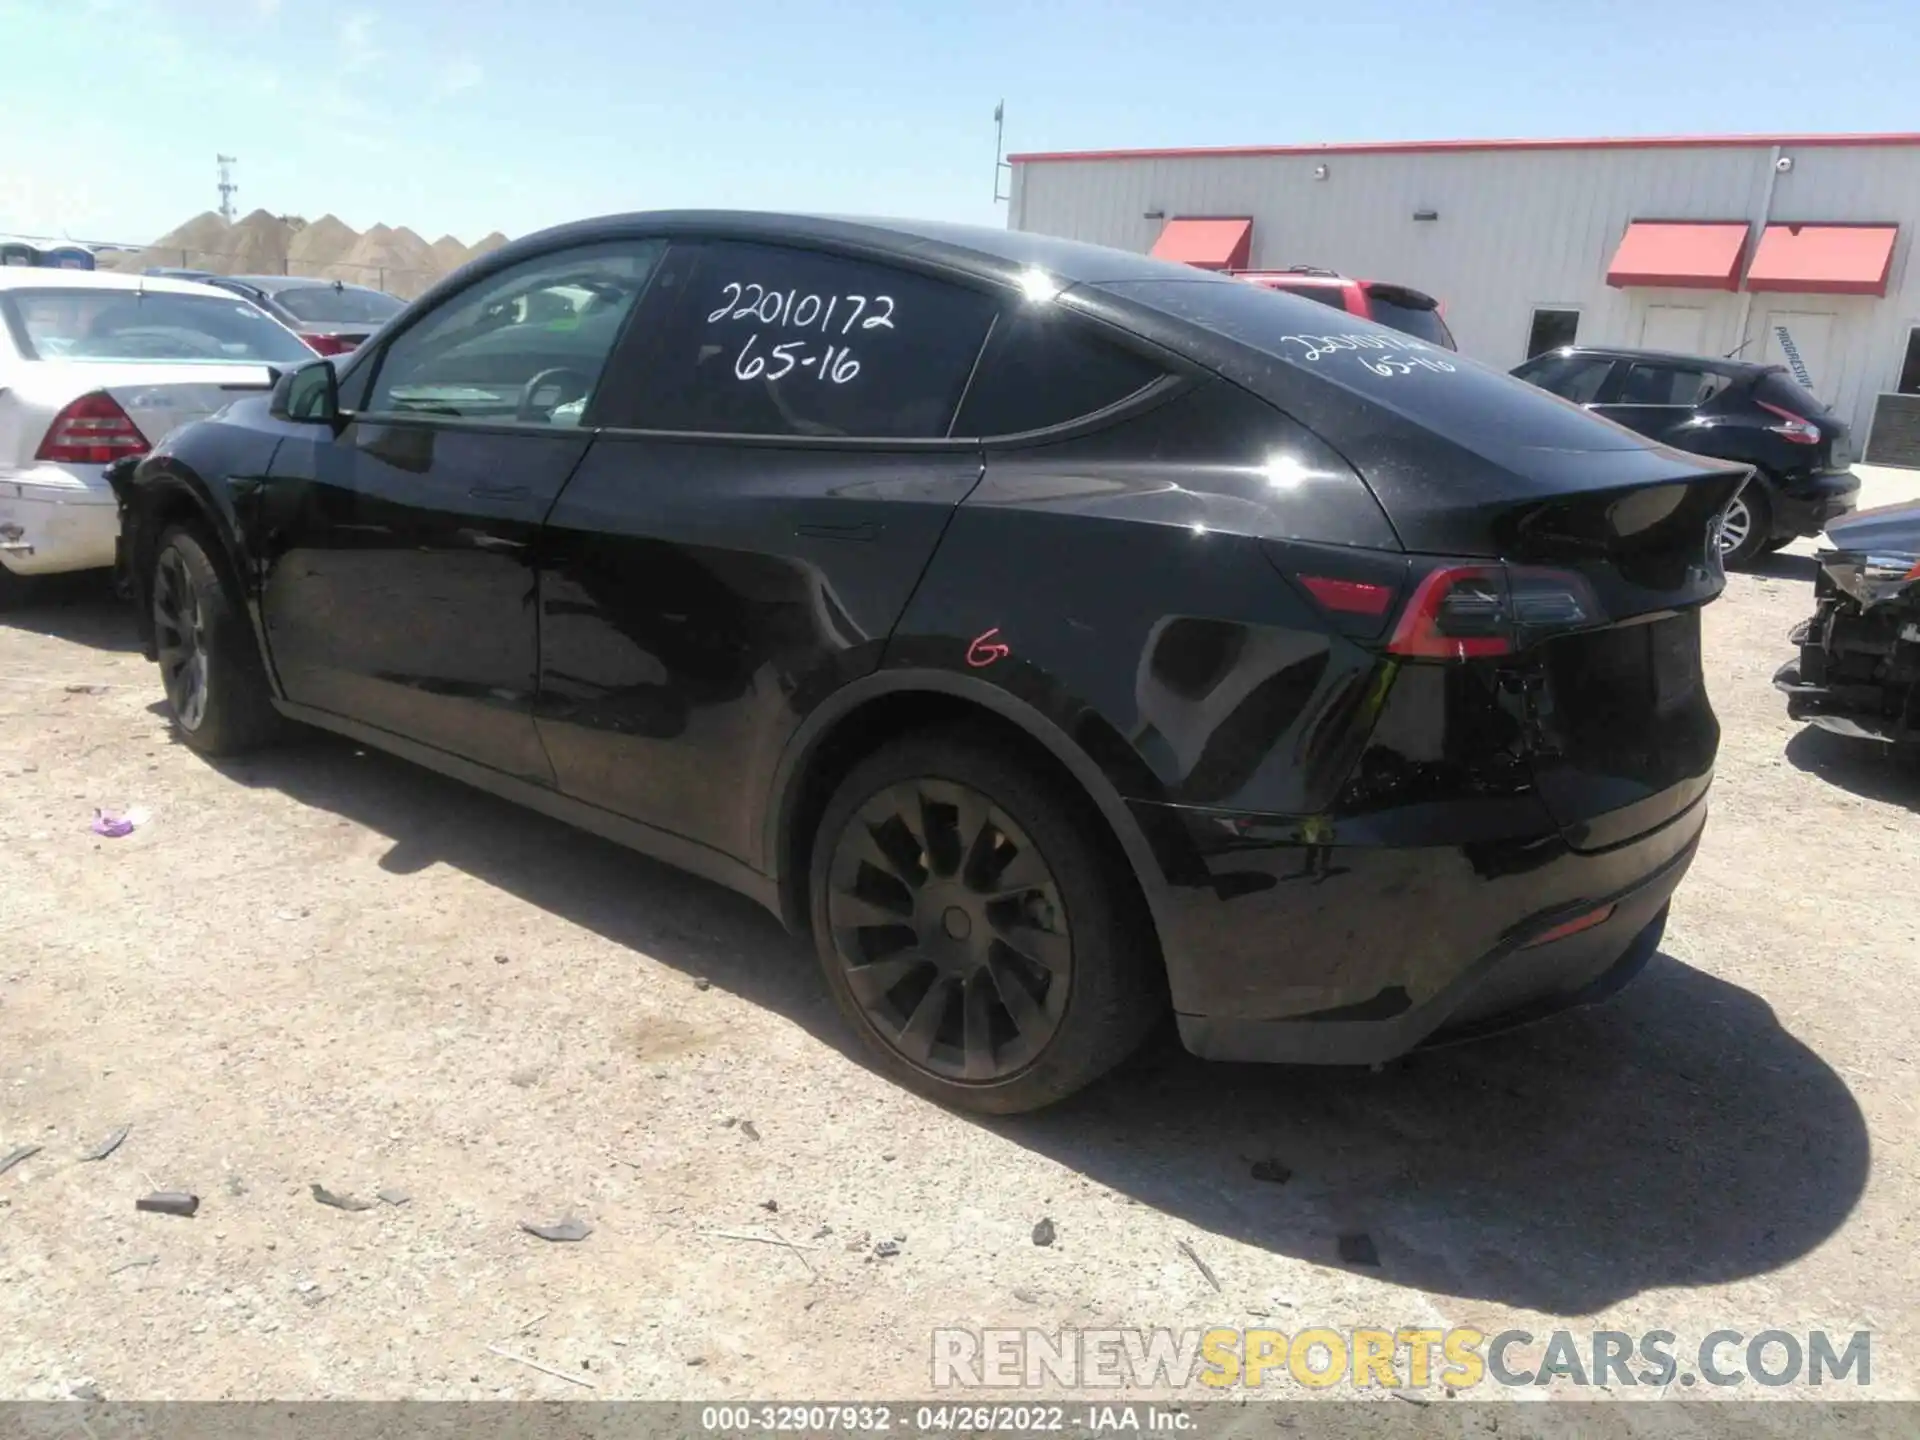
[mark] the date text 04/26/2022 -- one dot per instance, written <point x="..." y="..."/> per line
<point x="961" y="1419"/>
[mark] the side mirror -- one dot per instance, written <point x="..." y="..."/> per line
<point x="309" y="395"/>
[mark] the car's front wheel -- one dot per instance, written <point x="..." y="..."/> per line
<point x="13" y="589"/>
<point x="975" y="929"/>
<point x="216" y="686"/>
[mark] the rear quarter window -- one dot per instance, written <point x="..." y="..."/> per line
<point x="775" y="341"/>
<point x="1042" y="368"/>
<point x="1485" y="411"/>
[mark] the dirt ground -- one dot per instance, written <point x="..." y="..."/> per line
<point x="326" y="966"/>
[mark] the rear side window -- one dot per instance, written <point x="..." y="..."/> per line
<point x="1670" y="385"/>
<point x="1043" y="368"/>
<point x="1778" y="388"/>
<point x="1578" y="378"/>
<point x="772" y="341"/>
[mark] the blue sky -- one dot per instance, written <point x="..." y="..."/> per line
<point x="465" y="116"/>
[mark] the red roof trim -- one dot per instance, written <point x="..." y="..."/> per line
<point x="1824" y="259"/>
<point x="1416" y="147"/>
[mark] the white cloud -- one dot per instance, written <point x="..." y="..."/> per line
<point x="461" y="73"/>
<point x="266" y="9"/>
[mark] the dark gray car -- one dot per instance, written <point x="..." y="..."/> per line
<point x="330" y="315"/>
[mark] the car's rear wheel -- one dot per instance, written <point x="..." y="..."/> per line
<point x="1746" y="525"/>
<point x="975" y="929"/>
<point x="216" y="686"/>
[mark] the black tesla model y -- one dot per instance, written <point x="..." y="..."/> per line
<point x="1058" y="635"/>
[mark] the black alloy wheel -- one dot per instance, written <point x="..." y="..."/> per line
<point x="950" y="926"/>
<point x="210" y="665"/>
<point x="976" y="928"/>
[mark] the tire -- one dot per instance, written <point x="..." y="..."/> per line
<point x="1776" y="544"/>
<point x="217" y="691"/>
<point x="14" y="590"/>
<point x="1752" y="505"/>
<point x="1029" y="940"/>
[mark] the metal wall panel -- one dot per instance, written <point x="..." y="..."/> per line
<point x="1518" y="229"/>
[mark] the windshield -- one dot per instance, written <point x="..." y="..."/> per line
<point x="347" y="304"/>
<point x="1409" y="315"/>
<point x="148" y="326"/>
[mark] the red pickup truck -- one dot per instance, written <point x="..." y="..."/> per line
<point x="1397" y="306"/>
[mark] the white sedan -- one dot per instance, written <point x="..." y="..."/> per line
<point x="95" y="366"/>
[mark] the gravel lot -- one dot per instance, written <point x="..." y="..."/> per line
<point x="326" y="966"/>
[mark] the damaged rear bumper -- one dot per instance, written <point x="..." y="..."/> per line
<point x="1819" y="705"/>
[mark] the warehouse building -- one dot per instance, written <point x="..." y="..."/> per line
<point x="1789" y="248"/>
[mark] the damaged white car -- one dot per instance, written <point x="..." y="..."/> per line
<point x="95" y="367"/>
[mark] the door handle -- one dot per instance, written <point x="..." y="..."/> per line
<point x="499" y="492"/>
<point x="840" y="532"/>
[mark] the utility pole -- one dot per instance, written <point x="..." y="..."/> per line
<point x="228" y="189"/>
<point x="1000" y="166"/>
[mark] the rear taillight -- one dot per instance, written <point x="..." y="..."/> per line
<point x="1348" y="597"/>
<point x="1794" y="428"/>
<point x="93" y="430"/>
<point x="1471" y="612"/>
<point x="329" y="344"/>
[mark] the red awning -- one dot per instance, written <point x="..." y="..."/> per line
<point x="1692" y="256"/>
<point x="1824" y="259"/>
<point x="1212" y="244"/>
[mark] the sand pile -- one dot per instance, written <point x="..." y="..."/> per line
<point x="396" y="260"/>
<point x="257" y="245"/>
<point x="326" y="241"/>
<point x="448" y="253"/>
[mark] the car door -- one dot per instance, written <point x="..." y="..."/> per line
<point x="1662" y="400"/>
<point x="770" y="475"/>
<point x="398" y="586"/>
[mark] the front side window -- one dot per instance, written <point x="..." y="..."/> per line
<point x="772" y="341"/>
<point x="146" y="325"/>
<point x="525" y="346"/>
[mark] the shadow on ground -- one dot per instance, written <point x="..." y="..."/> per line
<point x="1782" y="566"/>
<point x="1867" y="768"/>
<point x="80" y="608"/>
<point x="1676" y="1137"/>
